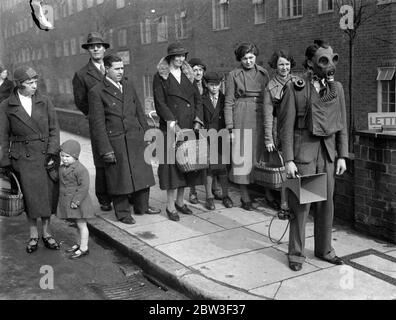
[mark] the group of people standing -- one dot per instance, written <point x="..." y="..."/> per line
<point x="269" y="113"/>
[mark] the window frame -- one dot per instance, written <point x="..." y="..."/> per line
<point x="320" y="7"/>
<point x="180" y="26"/>
<point x="256" y="4"/>
<point x="380" y="89"/>
<point x="165" y="28"/>
<point x="291" y="16"/>
<point x="220" y="21"/>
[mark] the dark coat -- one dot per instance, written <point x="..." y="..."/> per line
<point x="74" y="187"/>
<point x="182" y="103"/>
<point x="29" y="141"/>
<point x="6" y="89"/>
<point x="298" y="144"/>
<point x="214" y="119"/>
<point x="83" y="81"/>
<point x="119" y="123"/>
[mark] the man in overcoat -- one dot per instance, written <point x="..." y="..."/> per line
<point x="313" y="135"/>
<point x="83" y="81"/>
<point x="118" y="120"/>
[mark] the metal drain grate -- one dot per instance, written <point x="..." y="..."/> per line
<point x="135" y="288"/>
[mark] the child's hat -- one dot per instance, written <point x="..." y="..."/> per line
<point x="71" y="147"/>
<point x="213" y="77"/>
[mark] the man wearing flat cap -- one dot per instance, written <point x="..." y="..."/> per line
<point x="84" y="80"/>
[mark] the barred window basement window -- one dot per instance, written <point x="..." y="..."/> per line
<point x="259" y="11"/>
<point x="145" y="31"/>
<point x="386" y="97"/>
<point x="290" y="8"/>
<point x="325" y="6"/>
<point x="162" y="29"/>
<point x="181" y="25"/>
<point x="220" y="14"/>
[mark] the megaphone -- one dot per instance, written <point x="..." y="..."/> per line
<point x="309" y="188"/>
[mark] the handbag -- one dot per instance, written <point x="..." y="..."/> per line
<point x="11" y="200"/>
<point x="192" y="155"/>
<point x="272" y="173"/>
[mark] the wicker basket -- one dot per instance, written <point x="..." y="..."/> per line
<point x="270" y="174"/>
<point x="11" y="201"/>
<point x="188" y="161"/>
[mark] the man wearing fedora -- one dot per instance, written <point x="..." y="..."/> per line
<point x="83" y="80"/>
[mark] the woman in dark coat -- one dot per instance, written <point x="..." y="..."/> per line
<point x="244" y="110"/>
<point x="6" y="85"/>
<point x="178" y="104"/>
<point x="29" y="131"/>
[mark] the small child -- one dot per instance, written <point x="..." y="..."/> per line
<point x="213" y="107"/>
<point x="74" y="200"/>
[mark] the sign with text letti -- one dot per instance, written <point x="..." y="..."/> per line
<point x="377" y="119"/>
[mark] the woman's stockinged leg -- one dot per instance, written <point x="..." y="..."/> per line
<point x="84" y="234"/>
<point x="46" y="223"/>
<point x="208" y="186"/>
<point x="170" y="198"/>
<point x="244" y="192"/>
<point x="180" y="197"/>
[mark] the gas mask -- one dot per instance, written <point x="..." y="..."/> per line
<point x="323" y="64"/>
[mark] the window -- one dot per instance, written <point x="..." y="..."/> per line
<point x="98" y="2"/>
<point x="73" y="46"/>
<point x="220" y="14"/>
<point x="58" y="48"/>
<point x="109" y="37"/>
<point x="66" y="48"/>
<point x="81" y="40"/>
<point x="70" y="6"/>
<point x="45" y="50"/>
<point x="386" y="98"/>
<point x="122" y="38"/>
<point x="145" y="31"/>
<point x="290" y="8"/>
<point x="181" y="25"/>
<point x="56" y="12"/>
<point x="259" y="11"/>
<point x="162" y="29"/>
<point x="79" y="5"/>
<point x="326" y="6"/>
<point x="90" y="3"/>
<point x="147" y="86"/>
<point x="39" y="54"/>
<point x="64" y="9"/>
<point x="120" y="4"/>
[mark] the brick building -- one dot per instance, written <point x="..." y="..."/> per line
<point x="141" y="30"/>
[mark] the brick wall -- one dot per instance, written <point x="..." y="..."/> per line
<point x="344" y="201"/>
<point x="375" y="184"/>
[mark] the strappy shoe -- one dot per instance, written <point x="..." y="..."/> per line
<point x="32" y="247"/>
<point x="79" y="254"/>
<point x="50" y="245"/>
<point x="74" y="248"/>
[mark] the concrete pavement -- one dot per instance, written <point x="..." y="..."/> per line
<point x="228" y="254"/>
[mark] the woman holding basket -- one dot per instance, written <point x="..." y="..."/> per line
<point x="178" y="104"/>
<point x="29" y="138"/>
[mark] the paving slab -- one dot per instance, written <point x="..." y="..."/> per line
<point x="168" y="231"/>
<point x="252" y="269"/>
<point x="234" y="217"/>
<point x="336" y="283"/>
<point x="214" y="246"/>
<point x="378" y="264"/>
<point x="391" y="253"/>
<point x="268" y="291"/>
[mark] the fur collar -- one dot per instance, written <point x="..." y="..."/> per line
<point x="164" y="70"/>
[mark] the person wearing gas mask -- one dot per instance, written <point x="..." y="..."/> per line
<point x="313" y="135"/>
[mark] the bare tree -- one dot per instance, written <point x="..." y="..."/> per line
<point x="363" y="12"/>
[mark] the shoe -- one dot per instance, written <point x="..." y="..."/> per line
<point x="32" y="247"/>
<point x="193" y="198"/>
<point x="184" y="209"/>
<point x="273" y="204"/>
<point x="74" y="248"/>
<point x="79" y="253"/>
<point x="105" y="207"/>
<point x="210" y="204"/>
<point x="247" y="205"/>
<point x="336" y="260"/>
<point x="128" y="220"/>
<point x="217" y="195"/>
<point x="152" y="210"/>
<point x="50" y="245"/>
<point x="227" y="202"/>
<point x="172" y="215"/>
<point x="295" y="266"/>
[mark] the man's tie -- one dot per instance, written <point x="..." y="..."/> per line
<point x="102" y="69"/>
<point x="119" y="86"/>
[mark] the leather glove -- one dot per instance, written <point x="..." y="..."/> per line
<point x="51" y="158"/>
<point x="109" y="157"/>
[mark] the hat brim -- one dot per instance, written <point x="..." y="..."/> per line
<point x="86" y="45"/>
<point x="177" y="54"/>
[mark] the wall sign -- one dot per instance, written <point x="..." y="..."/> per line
<point x="377" y="119"/>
